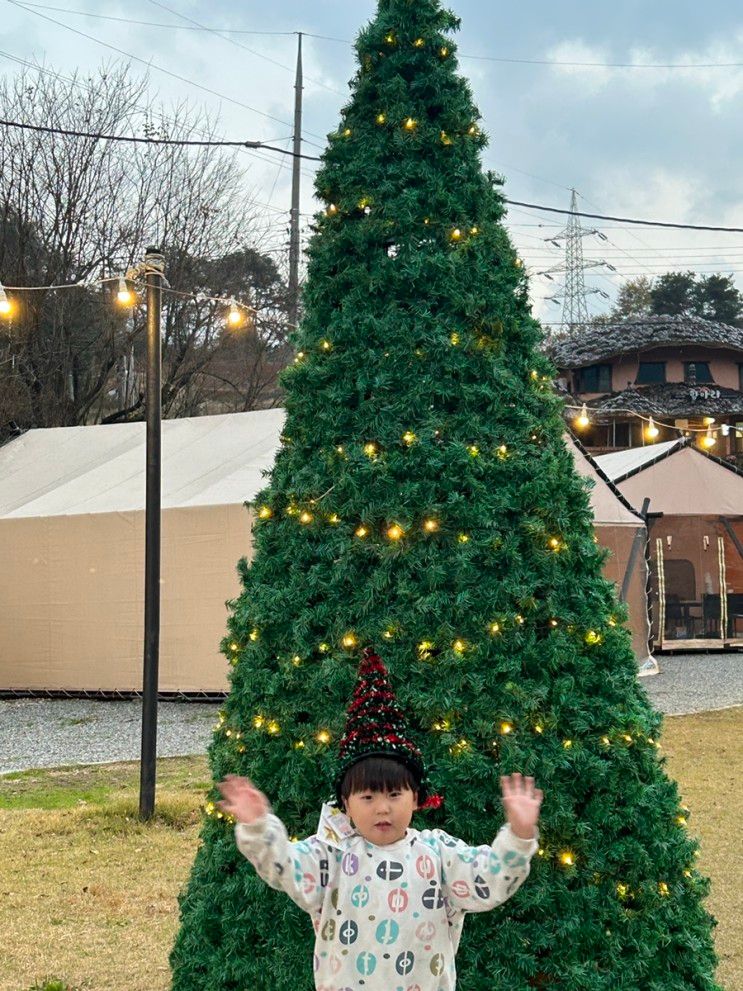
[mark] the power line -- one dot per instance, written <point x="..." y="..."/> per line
<point x="609" y="65"/>
<point x="152" y="65"/>
<point x="85" y="88"/>
<point x="181" y="142"/>
<point x="627" y="220"/>
<point x="347" y="41"/>
<point x="283" y="151"/>
<point x="154" y="24"/>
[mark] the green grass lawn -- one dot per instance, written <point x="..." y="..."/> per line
<point x="88" y="893"/>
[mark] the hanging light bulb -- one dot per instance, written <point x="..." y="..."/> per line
<point x="709" y="439"/>
<point x="583" y="420"/>
<point x="235" y="317"/>
<point x="124" y="296"/>
<point x="651" y="431"/>
<point x="6" y="307"/>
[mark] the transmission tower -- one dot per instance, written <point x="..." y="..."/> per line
<point x="573" y="295"/>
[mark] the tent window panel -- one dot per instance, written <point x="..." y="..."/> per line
<point x="594" y="378"/>
<point x="702" y="374"/>
<point x="651" y="373"/>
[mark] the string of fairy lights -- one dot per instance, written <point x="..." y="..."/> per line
<point x="708" y="439"/>
<point x="124" y="292"/>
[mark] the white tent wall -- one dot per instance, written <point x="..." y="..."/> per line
<point x="72" y="594"/>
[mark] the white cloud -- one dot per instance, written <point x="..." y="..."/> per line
<point x="721" y="85"/>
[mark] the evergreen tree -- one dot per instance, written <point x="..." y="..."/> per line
<point x="423" y="502"/>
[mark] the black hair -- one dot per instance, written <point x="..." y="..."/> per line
<point x="377" y="774"/>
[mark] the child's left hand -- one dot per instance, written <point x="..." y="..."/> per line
<point x="522" y="802"/>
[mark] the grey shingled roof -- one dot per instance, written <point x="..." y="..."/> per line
<point x="598" y="343"/>
<point x="672" y="399"/>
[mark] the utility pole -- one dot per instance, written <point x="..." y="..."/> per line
<point x="153" y="268"/>
<point x="294" y="219"/>
<point x="573" y="297"/>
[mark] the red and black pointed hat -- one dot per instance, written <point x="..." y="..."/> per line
<point x="376" y="727"/>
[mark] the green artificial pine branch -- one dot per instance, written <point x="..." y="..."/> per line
<point x="423" y="502"/>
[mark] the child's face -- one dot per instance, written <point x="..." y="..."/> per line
<point x="382" y="817"/>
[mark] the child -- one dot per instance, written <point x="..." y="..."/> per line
<point x="387" y="902"/>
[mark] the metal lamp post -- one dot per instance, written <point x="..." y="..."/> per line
<point x="153" y="268"/>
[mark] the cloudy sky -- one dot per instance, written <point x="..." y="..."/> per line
<point x="638" y="105"/>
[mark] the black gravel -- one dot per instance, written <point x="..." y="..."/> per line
<point x="57" y="732"/>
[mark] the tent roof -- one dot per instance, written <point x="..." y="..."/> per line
<point x="621" y="463"/>
<point x="679" y="480"/>
<point x="607" y="502"/>
<point x="206" y="461"/>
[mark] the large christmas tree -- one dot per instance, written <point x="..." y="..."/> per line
<point x="423" y="502"/>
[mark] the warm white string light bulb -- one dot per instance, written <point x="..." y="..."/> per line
<point x="583" y="420"/>
<point x="6" y="307"/>
<point x="235" y="317"/>
<point x="124" y="295"/>
<point x="652" y="431"/>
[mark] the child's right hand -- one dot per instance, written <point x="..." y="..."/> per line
<point x="241" y="799"/>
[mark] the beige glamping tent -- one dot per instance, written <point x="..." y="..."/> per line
<point x="696" y="540"/>
<point x="72" y="547"/>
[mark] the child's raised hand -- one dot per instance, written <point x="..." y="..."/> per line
<point x="522" y="801"/>
<point x="241" y="799"/>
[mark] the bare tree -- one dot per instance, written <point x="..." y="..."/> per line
<point x="82" y="209"/>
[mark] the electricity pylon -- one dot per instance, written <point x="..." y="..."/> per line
<point x="573" y="296"/>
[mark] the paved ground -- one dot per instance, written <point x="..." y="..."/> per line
<point x="696" y="682"/>
<point x="53" y="732"/>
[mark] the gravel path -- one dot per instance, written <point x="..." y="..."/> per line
<point x="54" y="732"/>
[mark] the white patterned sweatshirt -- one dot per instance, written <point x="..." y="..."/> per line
<point x="386" y="918"/>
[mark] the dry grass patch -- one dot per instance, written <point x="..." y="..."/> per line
<point x="88" y="893"/>
<point x="705" y="756"/>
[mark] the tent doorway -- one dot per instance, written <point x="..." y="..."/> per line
<point x="697" y="576"/>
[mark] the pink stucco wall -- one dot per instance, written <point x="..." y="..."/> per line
<point x="723" y="365"/>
